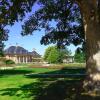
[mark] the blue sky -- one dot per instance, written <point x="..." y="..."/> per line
<point x="29" y="42"/>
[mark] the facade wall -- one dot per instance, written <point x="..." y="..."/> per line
<point x="19" y="58"/>
<point x="68" y="60"/>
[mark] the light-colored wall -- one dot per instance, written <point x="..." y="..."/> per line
<point x="68" y="60"/>
<point x="19" y="58"/>
<point x="11" y="57"/>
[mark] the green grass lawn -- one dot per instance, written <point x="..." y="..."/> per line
<point x="15" y="85"/>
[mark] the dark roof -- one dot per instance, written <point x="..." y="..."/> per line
<point x="17" y="50"/>
<point x="34" y="53"/>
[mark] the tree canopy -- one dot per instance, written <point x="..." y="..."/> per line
<point x="55" y="55"/>
<point x="65" y="13"/>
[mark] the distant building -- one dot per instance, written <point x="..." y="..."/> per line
<point x="20" y="55"/>
<point x="68" y="59"/>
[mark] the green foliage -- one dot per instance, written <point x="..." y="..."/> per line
<point x="47" y="52"/>
<point x="55" y="55"/>
<point x="79" y="57"/>
<point x="9" y="62"/>
<point x="62" y="12"/>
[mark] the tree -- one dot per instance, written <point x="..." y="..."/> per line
<point x="47" y="52"/>
<point x="55" y="55"/>
<point x="86" y="13"/>
<point x="79" y="57"/>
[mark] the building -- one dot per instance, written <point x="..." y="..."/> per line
<point x="68" y="59"/>
<point x="20" y="55"/>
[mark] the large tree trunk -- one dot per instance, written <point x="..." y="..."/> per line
<point x="93" y="56"/>
<point x="89" y="10"/>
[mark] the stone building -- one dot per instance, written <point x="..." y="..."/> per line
<point x="20" y="55"/>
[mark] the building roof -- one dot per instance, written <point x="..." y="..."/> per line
<point x="17" y="50"/>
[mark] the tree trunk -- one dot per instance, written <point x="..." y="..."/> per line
<point x="93" y="56"/>
<point x="89" y="11"/>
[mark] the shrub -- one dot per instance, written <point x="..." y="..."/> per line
<point x="8" y="62"/>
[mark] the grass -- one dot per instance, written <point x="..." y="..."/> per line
<point x="12" y="82"/>
<point x="15" y="85"/>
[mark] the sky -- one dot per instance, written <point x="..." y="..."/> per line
<point x="29" y="42"/>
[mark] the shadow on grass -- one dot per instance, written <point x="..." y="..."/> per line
<point x="61" y="73"/>
<point x="14" y="72"/>
<point x="52" y="88"/>
<point x="69" y="71"/>
<point x="38" y="75"/>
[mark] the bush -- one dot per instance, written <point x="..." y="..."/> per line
<point x="8" y="62"/>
